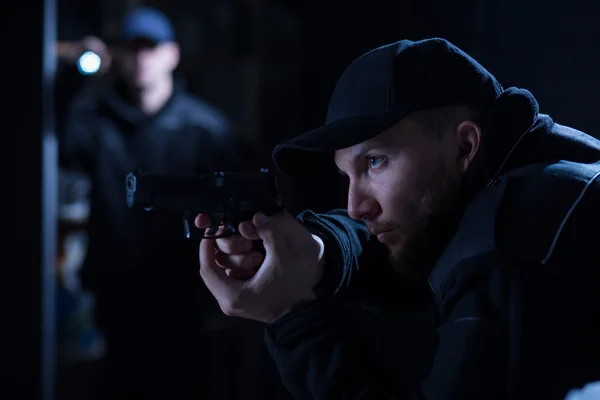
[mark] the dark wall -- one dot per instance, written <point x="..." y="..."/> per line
<point x="549" y="48"/>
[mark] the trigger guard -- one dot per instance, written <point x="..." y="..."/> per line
<point x="215" y="223"/>
<point x="220" y="220"/>
<point x="212" y="230"/>
<point x="229" y="228"/>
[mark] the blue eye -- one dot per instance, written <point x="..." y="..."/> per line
<point x="375" y="161"/>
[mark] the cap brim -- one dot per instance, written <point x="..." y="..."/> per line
<point x="312" y="152"/>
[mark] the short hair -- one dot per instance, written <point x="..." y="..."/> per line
<point x="441" y="120"/>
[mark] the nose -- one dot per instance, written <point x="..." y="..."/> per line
<point x="142" y="54"/>
<point x="361" y="203"/>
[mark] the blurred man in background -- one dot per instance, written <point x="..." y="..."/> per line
<point x="139" y="265"/>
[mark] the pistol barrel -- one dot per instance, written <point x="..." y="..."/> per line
<point x="224" y="193"/>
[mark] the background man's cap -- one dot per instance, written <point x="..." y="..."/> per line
<point x="380" y="88"/>
<point x="148" y="23"/>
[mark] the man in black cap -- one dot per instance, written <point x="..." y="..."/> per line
<point x="466" y="266"/>
<point x="148" y="305"/>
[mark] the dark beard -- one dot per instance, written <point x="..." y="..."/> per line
<point x="434" y="223"/>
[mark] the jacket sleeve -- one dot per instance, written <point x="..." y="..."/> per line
<point x="338" y="350"/>
<point x="356" y="263"/>
<point x="343" y="346"/>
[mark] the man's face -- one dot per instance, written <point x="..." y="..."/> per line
<point x="145" y="63"/>
<point x="397" y="181"/>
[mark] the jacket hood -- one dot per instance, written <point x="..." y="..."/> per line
<point x="515" y="135"/>
<point x="519" y="135"/>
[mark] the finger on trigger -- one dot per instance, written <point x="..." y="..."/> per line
<point x="202" y="221"/>
<point x="248" y="230"/>
<point x="218" y="232"/>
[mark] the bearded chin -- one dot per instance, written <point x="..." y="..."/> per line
<point x="433" y="226"/>
<point x="410" y="263"/>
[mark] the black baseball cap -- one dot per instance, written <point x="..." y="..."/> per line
<point x="148" y="23"/>
<point x="380" y="88"/>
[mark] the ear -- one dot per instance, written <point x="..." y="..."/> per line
<point x="175" y="54"/>
<point x="468" y="135"/>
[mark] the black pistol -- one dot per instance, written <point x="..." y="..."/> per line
<point x="228" y="197"/>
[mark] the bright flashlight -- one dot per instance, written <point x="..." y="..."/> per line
<point x="88" y="63"/>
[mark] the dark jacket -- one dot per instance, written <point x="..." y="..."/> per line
<point x="107" y="137"/>
<point x="511" y="308"/>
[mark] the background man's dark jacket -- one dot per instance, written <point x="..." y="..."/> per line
<point x="150" y="302"/>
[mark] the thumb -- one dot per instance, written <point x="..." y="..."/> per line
<point x="272" y="230"/>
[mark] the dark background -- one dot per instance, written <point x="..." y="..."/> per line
<point x="270" y="65"/>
